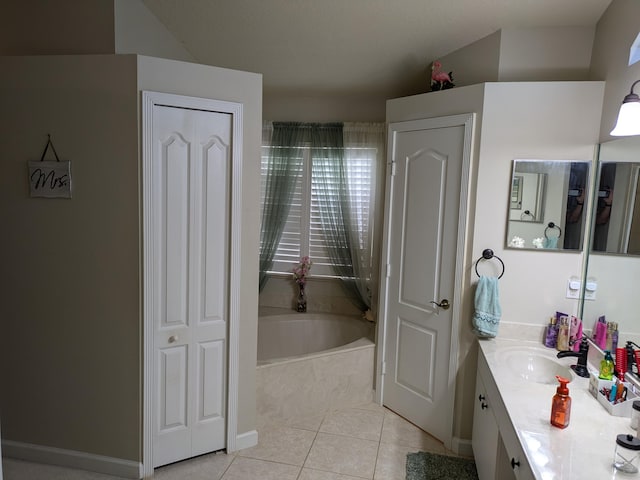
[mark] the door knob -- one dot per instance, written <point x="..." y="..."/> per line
<point x="444" y="303"/>
<point x="173" y="338"/>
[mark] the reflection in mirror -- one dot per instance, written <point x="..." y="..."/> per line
<point x="546" y="204"/>
<point x="617" y="209"/>
<point x="527" y="197"/>
<point x="614" y="258"/>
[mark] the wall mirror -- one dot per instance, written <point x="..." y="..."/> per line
<point x="613" y="263"/>
<point x="546" y="205"/>
<point x="616" y="227"/>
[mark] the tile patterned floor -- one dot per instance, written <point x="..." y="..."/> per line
<point x="368" y="442"/>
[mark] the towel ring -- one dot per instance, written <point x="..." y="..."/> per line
<point x="527" y="213"/>
<point x="552" y="225"/>
<point x="487" y="254"/>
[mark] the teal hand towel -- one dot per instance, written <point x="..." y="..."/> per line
<point x="486" y="317"/>
<point x="551" y="242"/>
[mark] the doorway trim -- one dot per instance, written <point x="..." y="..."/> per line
<point x="466" y="120"/>
<point x="149" y="100"/>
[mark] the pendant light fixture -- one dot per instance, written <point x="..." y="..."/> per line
<point x="629" y="117"/>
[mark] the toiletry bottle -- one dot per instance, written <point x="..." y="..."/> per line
<point x="563" y="334"/>
<point x="561" y="405"/>
<point x="551" y="337"/>
<point x="606" y="366"/>
<point x="635" y="414"/>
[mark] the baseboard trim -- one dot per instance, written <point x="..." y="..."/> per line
<point x="72" y="459"/>
<point x="462" y="447"/>
<point x="246" y="440"/>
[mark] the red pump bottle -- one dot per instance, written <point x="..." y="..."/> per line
<point x="561" y="405"/>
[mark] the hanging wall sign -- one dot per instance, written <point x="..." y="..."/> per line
<point x="50" y="179"/>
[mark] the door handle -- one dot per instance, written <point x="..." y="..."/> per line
<point x="444" y="303"/>
<point x="173" y="338"/>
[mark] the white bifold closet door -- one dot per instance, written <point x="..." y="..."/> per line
<point x="191" y="171"/>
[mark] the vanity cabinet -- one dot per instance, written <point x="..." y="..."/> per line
<point x="496" y="447"/>
<point x="485" y="433"/>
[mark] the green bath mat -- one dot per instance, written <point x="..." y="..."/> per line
<point x="431" y="466"/>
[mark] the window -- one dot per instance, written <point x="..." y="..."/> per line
<point x="303" y="232"/>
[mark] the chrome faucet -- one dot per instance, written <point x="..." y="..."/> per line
<point x="581" y="367"/>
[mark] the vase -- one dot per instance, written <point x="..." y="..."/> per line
<point x="302" y="299"/>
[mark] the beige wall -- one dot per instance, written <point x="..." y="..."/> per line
<point x="137" y="30"/>
<point x="43" y="27"/>
<point x="475" y="63"/>
<point x="526" y="54"/>
<point x="288" y="106"/>
<point x="70" y="300"/>
<point x="527" y="120"/>
<point x="615" y="32"/>
<point x="72" y="372"/>
<point x="552" y="53"/>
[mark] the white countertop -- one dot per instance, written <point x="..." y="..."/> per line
<point x="584" y="450"/>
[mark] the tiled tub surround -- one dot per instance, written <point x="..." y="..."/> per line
<point x="584" y="449"/>
<point x="289" y="388"/>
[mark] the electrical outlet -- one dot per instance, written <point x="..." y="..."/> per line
<point x="573" y="288"/>
<point x="590" y="290"/>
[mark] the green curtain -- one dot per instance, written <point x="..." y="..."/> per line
<point x="284" y="168"/>
<point x="363" y="227"/>
<point x="329" y="173"/>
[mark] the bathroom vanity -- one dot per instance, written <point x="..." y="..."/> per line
<point x="512" y="437"/>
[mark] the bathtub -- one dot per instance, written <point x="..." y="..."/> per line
<point x="285" y="336"/>
<point x="310" y="363"/>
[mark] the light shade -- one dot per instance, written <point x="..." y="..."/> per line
<point x="629" y="117"/>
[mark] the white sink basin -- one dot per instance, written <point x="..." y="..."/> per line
<point x="533" y="365"/>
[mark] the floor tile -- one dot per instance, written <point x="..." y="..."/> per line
<point x="392" y="461"/>
<point x="252" y="469"/>
<point x="205" y="467"/>
<point x="353" y="422"/>
<point x="281" y="444"/>
<point x="398" y="431"/>
<point x="371" y="406"/>
<point x="311" y="423"/>
<point x="345" y="455"/>
<point x="367" y="441"/>
<point x="309" y="474"/>
<point x="306" y="423"/>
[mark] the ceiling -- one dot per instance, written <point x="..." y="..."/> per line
<point x="338" y="47"/>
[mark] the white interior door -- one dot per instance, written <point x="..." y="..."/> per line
<point x="423" y="205"/>
<point x="190" y="211"/>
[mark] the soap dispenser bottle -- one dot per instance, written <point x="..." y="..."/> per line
<point x="561" y="405"/>
<point x="606" y="366"/>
